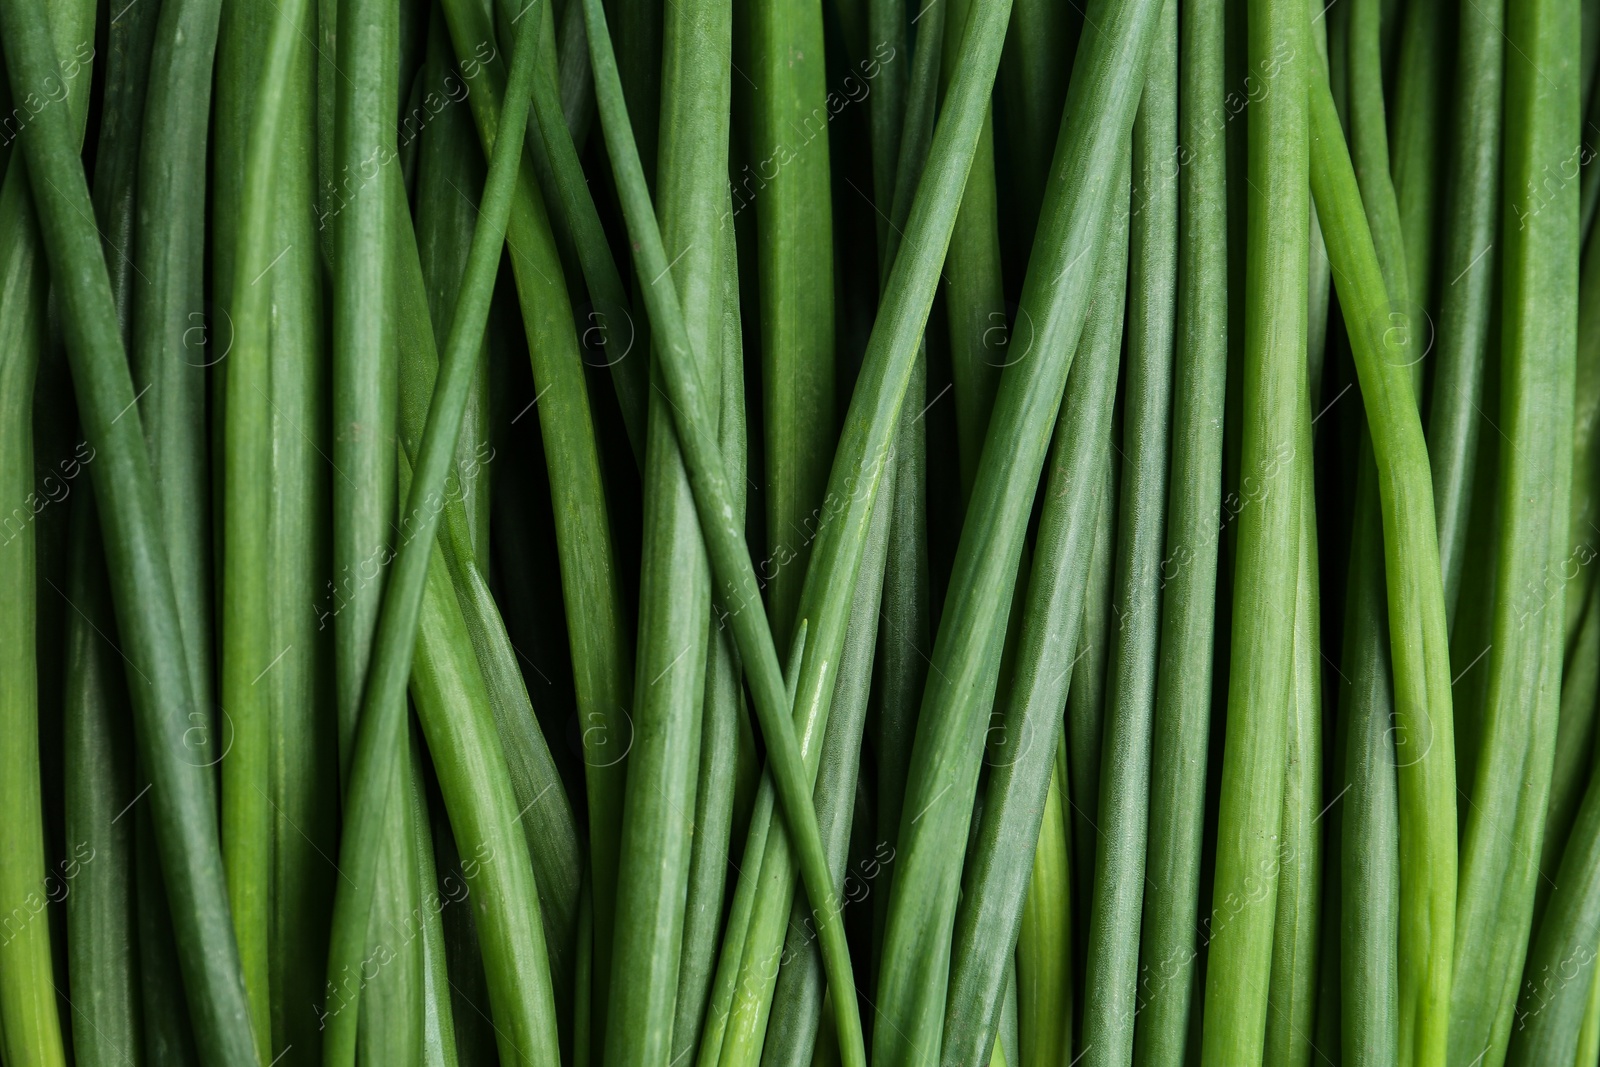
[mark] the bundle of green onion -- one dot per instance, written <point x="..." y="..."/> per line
<point x="673" y="533"/>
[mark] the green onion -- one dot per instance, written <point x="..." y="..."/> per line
<point x="1539" y="284"/>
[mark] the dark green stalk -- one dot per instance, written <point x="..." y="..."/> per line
<point x="1574" y="752"/>
<point x="1584" y="531"/>
<point x="1189" y="570"/>
<point x="974" y="297"/>
<point x="1560" y="969"/>
<point x="1539" y="265"/>
<point x="129" y="40"/>
<point x="102" y="934"/>
<point x="148" y="613"/>
<point x="1086" y="706"/>
<point x="380" y="741"/>
<point x="1468" y="263"/>
<point x="1264" y="586"/>
<point x="1033" y="87"/>
<point x="943" y="778"/>
<point x="997" y="887"/>
<point x="577" y="88"/>
<point x="1414" y="149"/>
<point x="675" y="580"/>
<point x="169" y="242"/>
<point x="794" y="223"/>
<point x="886" y="107"/>
<point x="1111" y="978"/>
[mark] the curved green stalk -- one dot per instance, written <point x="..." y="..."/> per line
<point x="1250" y="813"/>
<point x="1583" y="541"/>
<point x="1539" y="283"/>
<point x="1369" y="147"/>
<point x="379" y="741"/>
<point x="997" y="898"/>
<point x="1111" y="978"/>
<point x="794" y="223"/>
<point x="1189" y="571"/>
<point x="601" y="654"/>
<point x="1419" y="641"/>
<point x="675" y="581"/>
<point x="427" y="926"/>
<point x="453" y="707"/>
<point x="1469" y="260"/>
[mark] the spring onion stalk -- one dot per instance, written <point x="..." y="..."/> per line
<point x="601" y="652"/>
<point x="974" y="297"/>
<point x="169" y="241"/>
<point x="725" y="984"/>
<point x="1244" y="894"/>
<point x="453" y="707"/>
<point x="887" y="28"/>
<point x="794" y="220"/>
<point x="248" y="549"/>
<point x="102" y="929"/>
<point x="796" y="1013"/>
<point x="944" y="767"/>
<point x="148" y="613"/>
<point x="1581" y="669"/>
<point x="1414" y="142"/>
<point x="1033" y="87"/>
<point x="723" y="535"/>
<point x="1467" y="267"/>
<point x="30" y="1030"/>
<point x="675" y="581"/>
<point x="430" y="275"/>
<point x="577" y="88"/>
<point x="1419" y="640"/>
<point x="1560" y="968"/>
<point x="864" y="446"/>
<point x="1189" y="570"/>
<point x="1589" y="1034"/>
<point x="1539" y="286"/>
<point x="716" y="793"/>
<point x="438" y="1024"/>
<point x="129" y="40"/>
<point x="611" y="311"/>
<point x="1086" y="706"/>
<point x="1002" y="881"/>
<point x="379" y="742"/>
<point x="1292" y="993"/>
<point x="1111" y="977"/>
<point x="1583" y="541"/>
